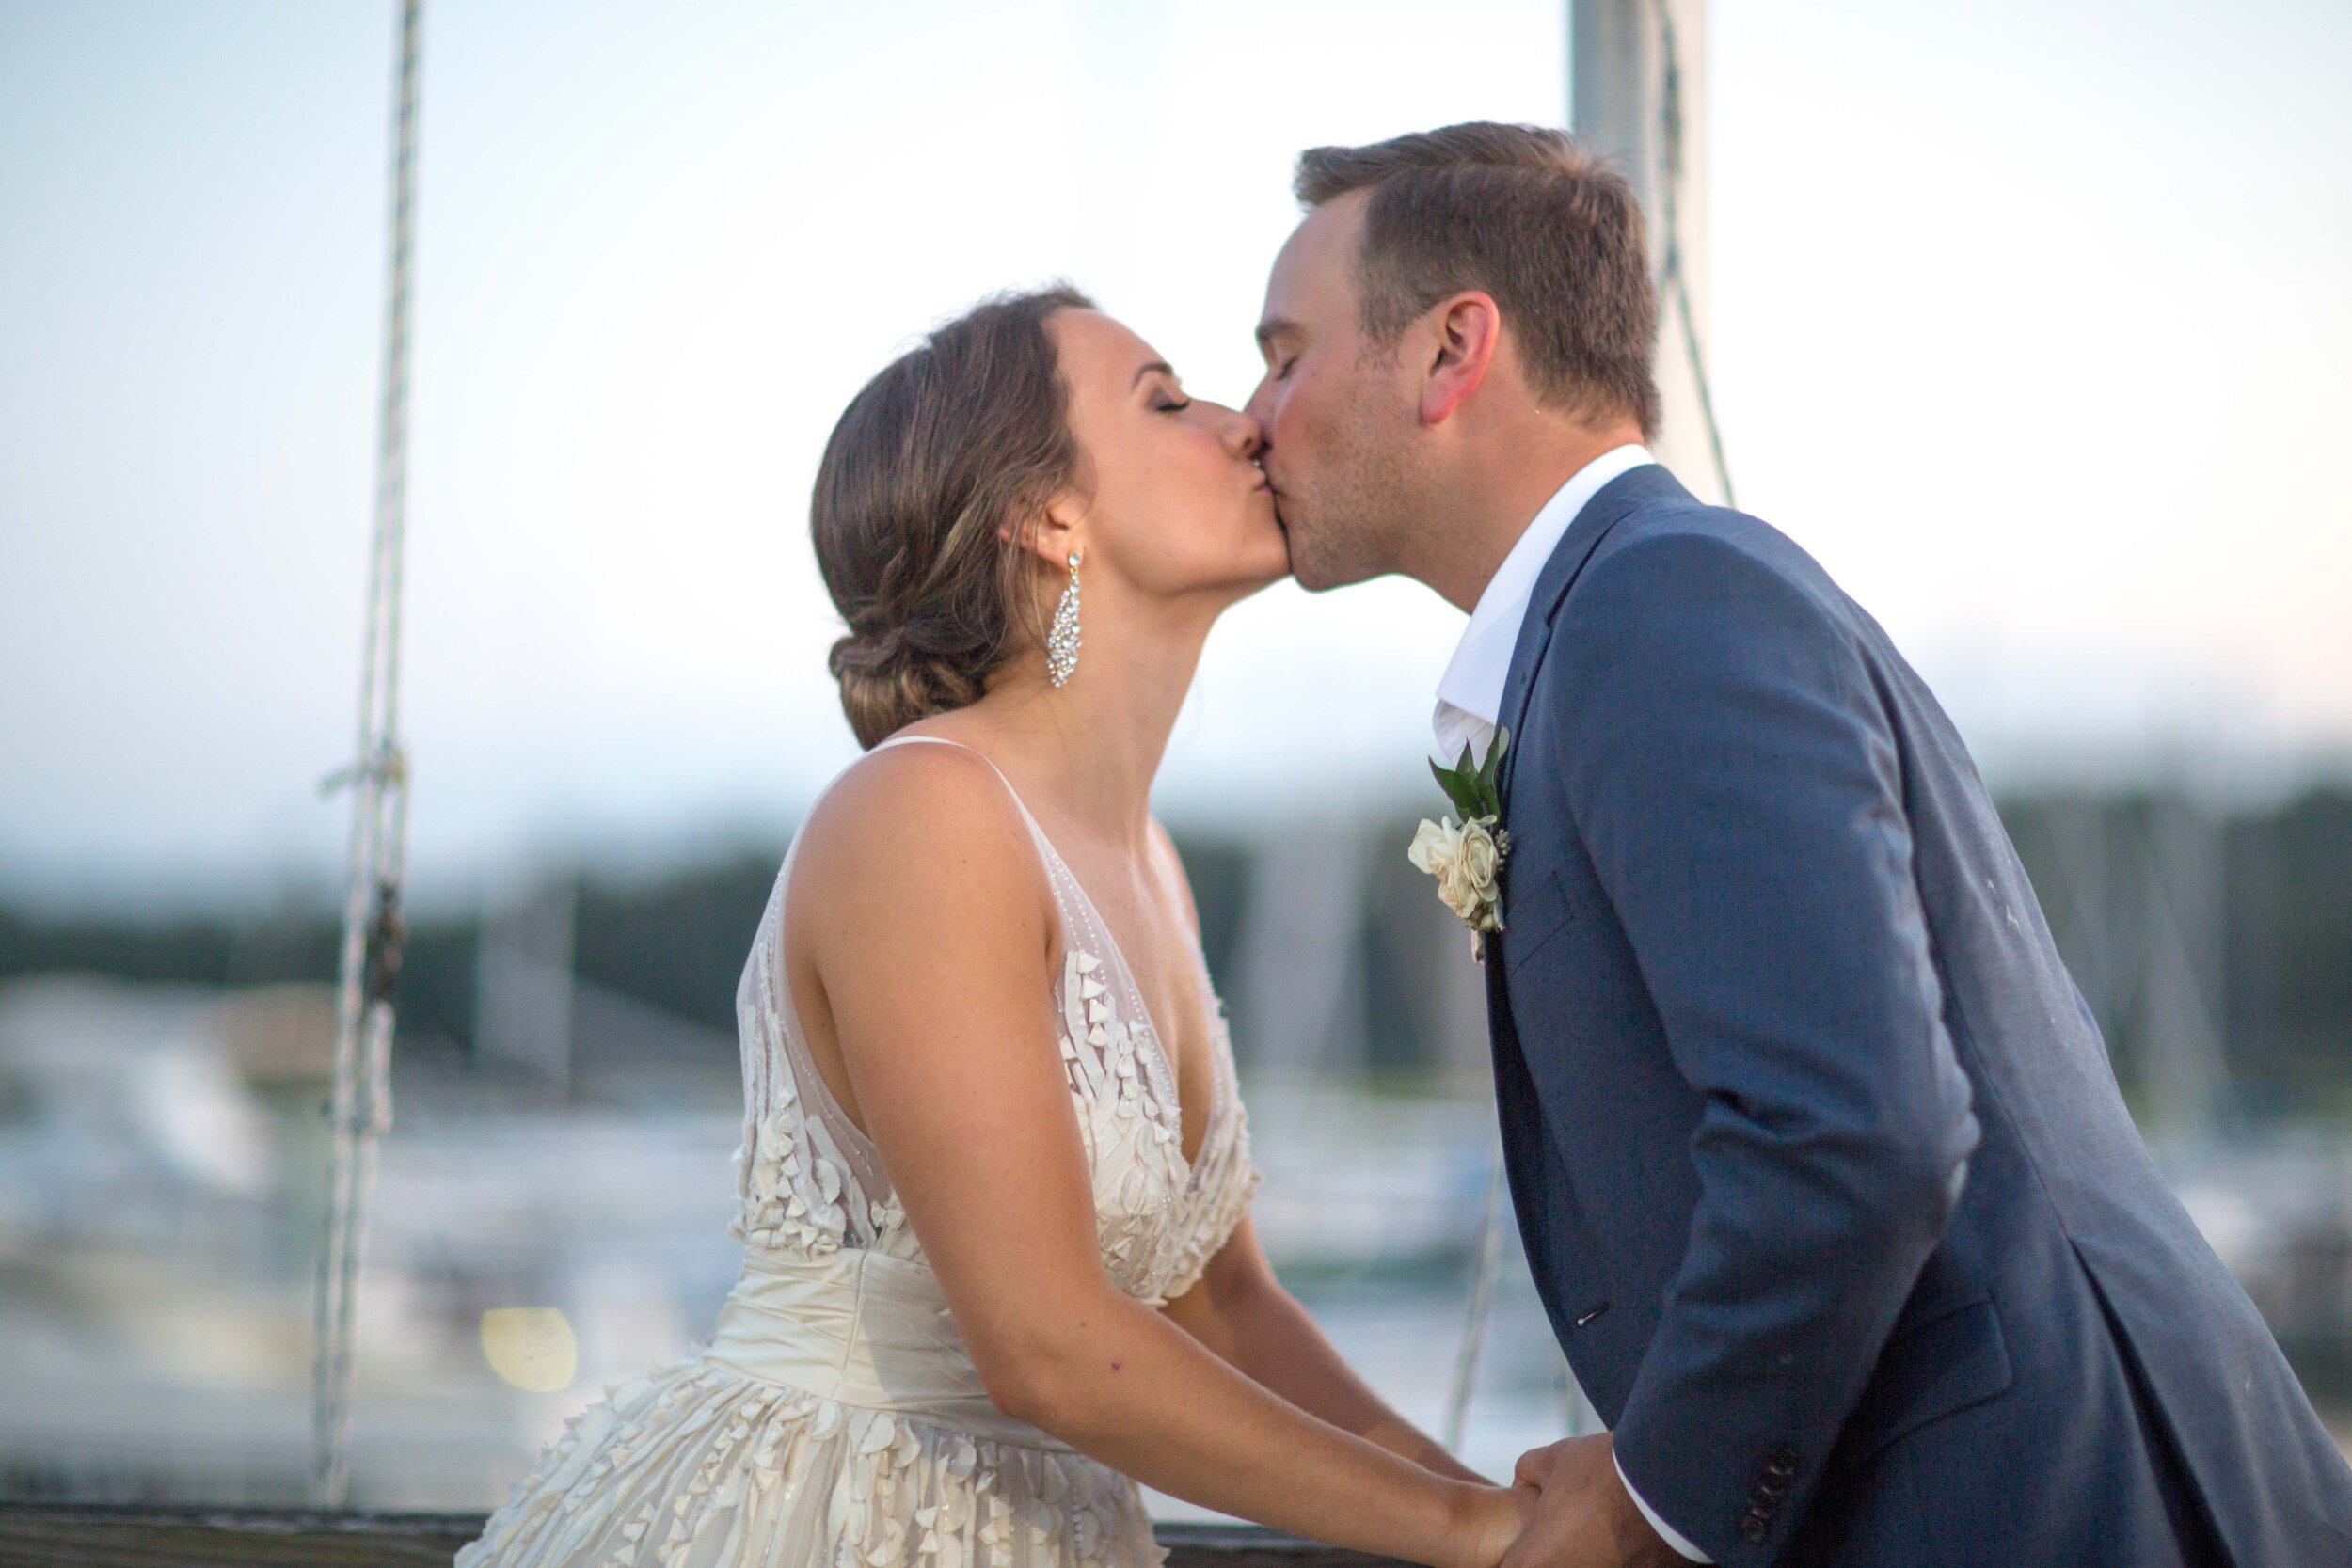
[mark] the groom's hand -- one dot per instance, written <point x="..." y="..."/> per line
<point x="1581" y="1516"/>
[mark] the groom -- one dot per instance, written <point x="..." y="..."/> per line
<point x="1819" y="1163"/>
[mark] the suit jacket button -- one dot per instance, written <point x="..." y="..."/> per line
<point x="1753" y="1528"/>
<point x="1782" y="1461"/>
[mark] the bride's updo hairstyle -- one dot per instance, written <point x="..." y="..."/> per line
<point x="929" y="487"/>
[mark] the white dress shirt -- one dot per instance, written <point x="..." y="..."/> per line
<point x="1469" y="695"/>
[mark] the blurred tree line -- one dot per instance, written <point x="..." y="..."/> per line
<point x="2204" y="944"/>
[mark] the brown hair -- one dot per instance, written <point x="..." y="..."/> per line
<point x="1522" y="212"/>
<point x="926" y="494"/>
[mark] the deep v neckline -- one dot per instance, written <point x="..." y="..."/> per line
<point x="1161" y="1068"/>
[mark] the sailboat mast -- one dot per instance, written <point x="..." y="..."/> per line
<point x="360" y="1109"/>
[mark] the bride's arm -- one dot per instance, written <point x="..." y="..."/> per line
<point x="1241" y="1311"/>
<point x="929" y="924"/>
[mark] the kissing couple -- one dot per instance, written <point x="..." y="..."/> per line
<point x="1821" y="1171"/>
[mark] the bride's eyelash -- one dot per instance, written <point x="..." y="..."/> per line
<point x="1175" y="408"/>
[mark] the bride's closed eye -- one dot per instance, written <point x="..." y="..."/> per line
<point x="1171" y="401"/>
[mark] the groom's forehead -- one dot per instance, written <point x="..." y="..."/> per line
<point x="1317" y="262"/>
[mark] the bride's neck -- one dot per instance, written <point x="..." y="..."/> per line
<point x="1089" y="750"/>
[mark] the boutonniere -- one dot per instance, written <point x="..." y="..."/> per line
<point x="1467" y="860"/>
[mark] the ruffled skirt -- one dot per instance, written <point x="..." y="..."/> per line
<point x="697" y="1465"/>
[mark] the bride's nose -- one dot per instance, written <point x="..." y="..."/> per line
<point x="1243" y="437"/>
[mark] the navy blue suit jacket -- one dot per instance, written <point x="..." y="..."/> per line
<point x="1820" y="1163"/>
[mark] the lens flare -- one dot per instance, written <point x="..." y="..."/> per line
<point x="530" y="1347"/>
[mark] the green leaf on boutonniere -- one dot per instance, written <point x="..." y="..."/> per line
<point x="1460" y="786"/>
<point x="1490" y="771"/>
<point x="1473" y="786"/>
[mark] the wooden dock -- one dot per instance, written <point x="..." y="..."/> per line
<point x="61" y="1535"/>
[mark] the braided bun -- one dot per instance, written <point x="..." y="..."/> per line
<point x="926" y="489"/>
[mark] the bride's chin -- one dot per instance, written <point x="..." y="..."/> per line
<point x="1261" y="563"/>
<point x="1259" y="582"/>
<point x="1249" y="583"/>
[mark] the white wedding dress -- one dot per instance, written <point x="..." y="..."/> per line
<point x="835" y="1418"/>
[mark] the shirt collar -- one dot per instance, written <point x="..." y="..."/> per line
<point x="1469" y="694"/>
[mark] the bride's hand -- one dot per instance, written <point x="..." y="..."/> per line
<point x="1493" y="1518"/>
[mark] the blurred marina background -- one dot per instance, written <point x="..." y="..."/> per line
<point x="2029" y="319"/>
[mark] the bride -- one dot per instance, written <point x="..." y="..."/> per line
<point x="995" y="1176"/>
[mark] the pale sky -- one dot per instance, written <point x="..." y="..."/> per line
<point x="2032" y="320"/>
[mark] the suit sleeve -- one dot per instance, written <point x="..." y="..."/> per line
<point x="1732" y="771"/>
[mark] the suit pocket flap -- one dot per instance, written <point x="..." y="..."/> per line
<point x="1936" y="1369"/>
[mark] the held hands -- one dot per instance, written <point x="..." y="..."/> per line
<point x="1579" y="1513"/>
<point x="1490" y="1518"/>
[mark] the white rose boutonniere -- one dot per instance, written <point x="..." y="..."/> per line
<point x="1467" y="860"/>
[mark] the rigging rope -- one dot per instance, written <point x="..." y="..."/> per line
<point x="360" y="1110"/>
<point x="1481" y="1303"/>
<point x="1674" y="285"/>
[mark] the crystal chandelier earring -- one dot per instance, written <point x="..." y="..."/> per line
<point x="1061" y="643"/>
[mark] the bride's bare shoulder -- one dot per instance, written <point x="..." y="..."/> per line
<point x="917" y="832"/>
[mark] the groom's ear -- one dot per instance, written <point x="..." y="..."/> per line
<point x="1462" y="334"/>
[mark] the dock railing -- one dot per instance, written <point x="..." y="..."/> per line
<point x="70" y="1535"/>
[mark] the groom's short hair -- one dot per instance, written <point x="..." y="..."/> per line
<point x="1524" y="214"/>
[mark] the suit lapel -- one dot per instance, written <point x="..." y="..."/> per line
<point x="1614" y="502"/>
